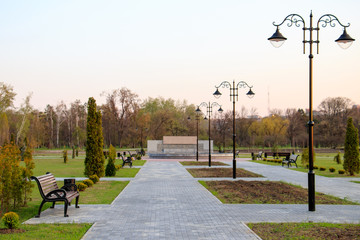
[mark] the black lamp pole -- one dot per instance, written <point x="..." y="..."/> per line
<point x="234" y="96"/>
<point x="209" y="112"/>
<point x="344" y="41"/>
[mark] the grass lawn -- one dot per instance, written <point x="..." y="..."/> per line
<point x="54" y="163"/>
<point x="321" y="160"/>
<point x="355" y="181"/>
<point x="103" y="192"/>
<point x="309" y="231"/>
<point x="202" y="163"/>
<point x="265" y="192"/>
<point x="220" y="172"/>
<point x="49" y="231"/>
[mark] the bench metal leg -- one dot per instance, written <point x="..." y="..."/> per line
<point x="76" y="202"/>
<point x="53" y="205"/>
<point x="66" y="203"/>
<point x="41" y="205"/>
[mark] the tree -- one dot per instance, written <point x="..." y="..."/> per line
<point x="110" y="170"/>
<point x="332" y="122"/>
<point x="94" y="159"/>
<point x="7" y="96"/>
<point x="27" y="172"/>
<point x="351" y="155"/>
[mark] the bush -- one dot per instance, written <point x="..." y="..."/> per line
<point x="332" y="169"/>
<point x="322" y="168"/>
<point x="117" y="167"/>
<point x="138" y="157"/>
<point x="11" y="220"/>
<point x="337" y="158"/>
<point x="94" y="178"/>
<point x="305" y="156"/>
<point x="88" y="182"/>
<point x="110" y="170"/>
<point x="316" y="167"/>
<point x="341" y="171"/>
<point x="65" y="156"/>
<point x="82" y="187"/>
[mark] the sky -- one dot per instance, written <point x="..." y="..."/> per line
<point x="67" y="50"/>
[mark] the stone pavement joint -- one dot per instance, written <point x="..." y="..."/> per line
<point x="165" y="202"/>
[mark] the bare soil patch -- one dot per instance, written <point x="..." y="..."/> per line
<point x="280" y="231"/>
<point x="220" y="172"/>
<point x="265" y="192"/>
<point x="202" y="163"/>
<point x="9" y="231"/>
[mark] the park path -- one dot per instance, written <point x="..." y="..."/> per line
<point x="165" y="202"/>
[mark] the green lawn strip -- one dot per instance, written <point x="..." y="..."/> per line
<point x="279" y="231"/>
<point x="202" y="163"/>
<point x="355" y="181"/>
<point x="265" y="192"/>
<point x="220" y="172"/>
<point x="74" y="167"/>
<point x="50" y="231"/>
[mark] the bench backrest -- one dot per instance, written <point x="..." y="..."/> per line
<point x="46" y="183"/>
<point x="293" y="157"/>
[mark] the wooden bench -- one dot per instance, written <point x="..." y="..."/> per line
<point x="277" y="154"/>
<point x="126" y="159"/>
<point x="290" y="160"/>
<point x="50" y="192"/>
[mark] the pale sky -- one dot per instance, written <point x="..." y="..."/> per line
<point x="68" y="50"/>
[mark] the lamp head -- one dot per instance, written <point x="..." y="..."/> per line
<point x="217" y="93"/>
<point x="250" y="93"/>
<point x="198" y="110"/>
<point x="345" y="41"/>
<point x="205" y="118"/>
<point x="220" y="110"/>
<point x="277" y="39"/>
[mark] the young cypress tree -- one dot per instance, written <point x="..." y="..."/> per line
<point x="94" y="159"/>
<point x="351" y="155"/>
<point x="110" y="170"/>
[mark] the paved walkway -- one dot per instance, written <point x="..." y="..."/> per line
<point x="164" y="202"/>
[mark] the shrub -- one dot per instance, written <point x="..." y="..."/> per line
<point x="88" y="182"/>
<point x="264" y="159"/>
<point x="322" y="168"/>
<point x="337" y="158"/>
<point x="332" y="169"/>
<point x="110" y="170"/>
<point x="138" y="157"/>
<point x="253" y="157"/>
<point x="117" y="167"/>
<point x="316" y="167"/>
<point x="341" y="171"/>
<point x="82" y="187"/>
<point x="351" y="148"/>
<point x="11" y="220"/>
<point x="65" y="155"/>
<point x="94" y="178"/>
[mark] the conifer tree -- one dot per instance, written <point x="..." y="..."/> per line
<point x="94" y="159"/>
<point x="110" y="167"/>
<point x="351" y="155"/>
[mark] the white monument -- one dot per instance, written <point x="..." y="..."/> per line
<point x="177" y="147"/>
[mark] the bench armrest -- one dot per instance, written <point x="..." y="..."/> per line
<point x="59" y="193"/>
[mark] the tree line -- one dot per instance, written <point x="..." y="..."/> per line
<point x="128" y="121"/>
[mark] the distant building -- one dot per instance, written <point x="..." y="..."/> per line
<point x="356" y="106"/>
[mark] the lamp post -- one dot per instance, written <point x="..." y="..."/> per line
<point x="209" y="107"/>
<point x="344" y="41"/>
<point x="197" y="118"/>
<point x="234" y="97"/>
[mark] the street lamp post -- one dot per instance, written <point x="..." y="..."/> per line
<point x="344" y="41"/>
<point x="209" y="107"/>
<point x="197" y="118"/>
<point x="234" y="97"/>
